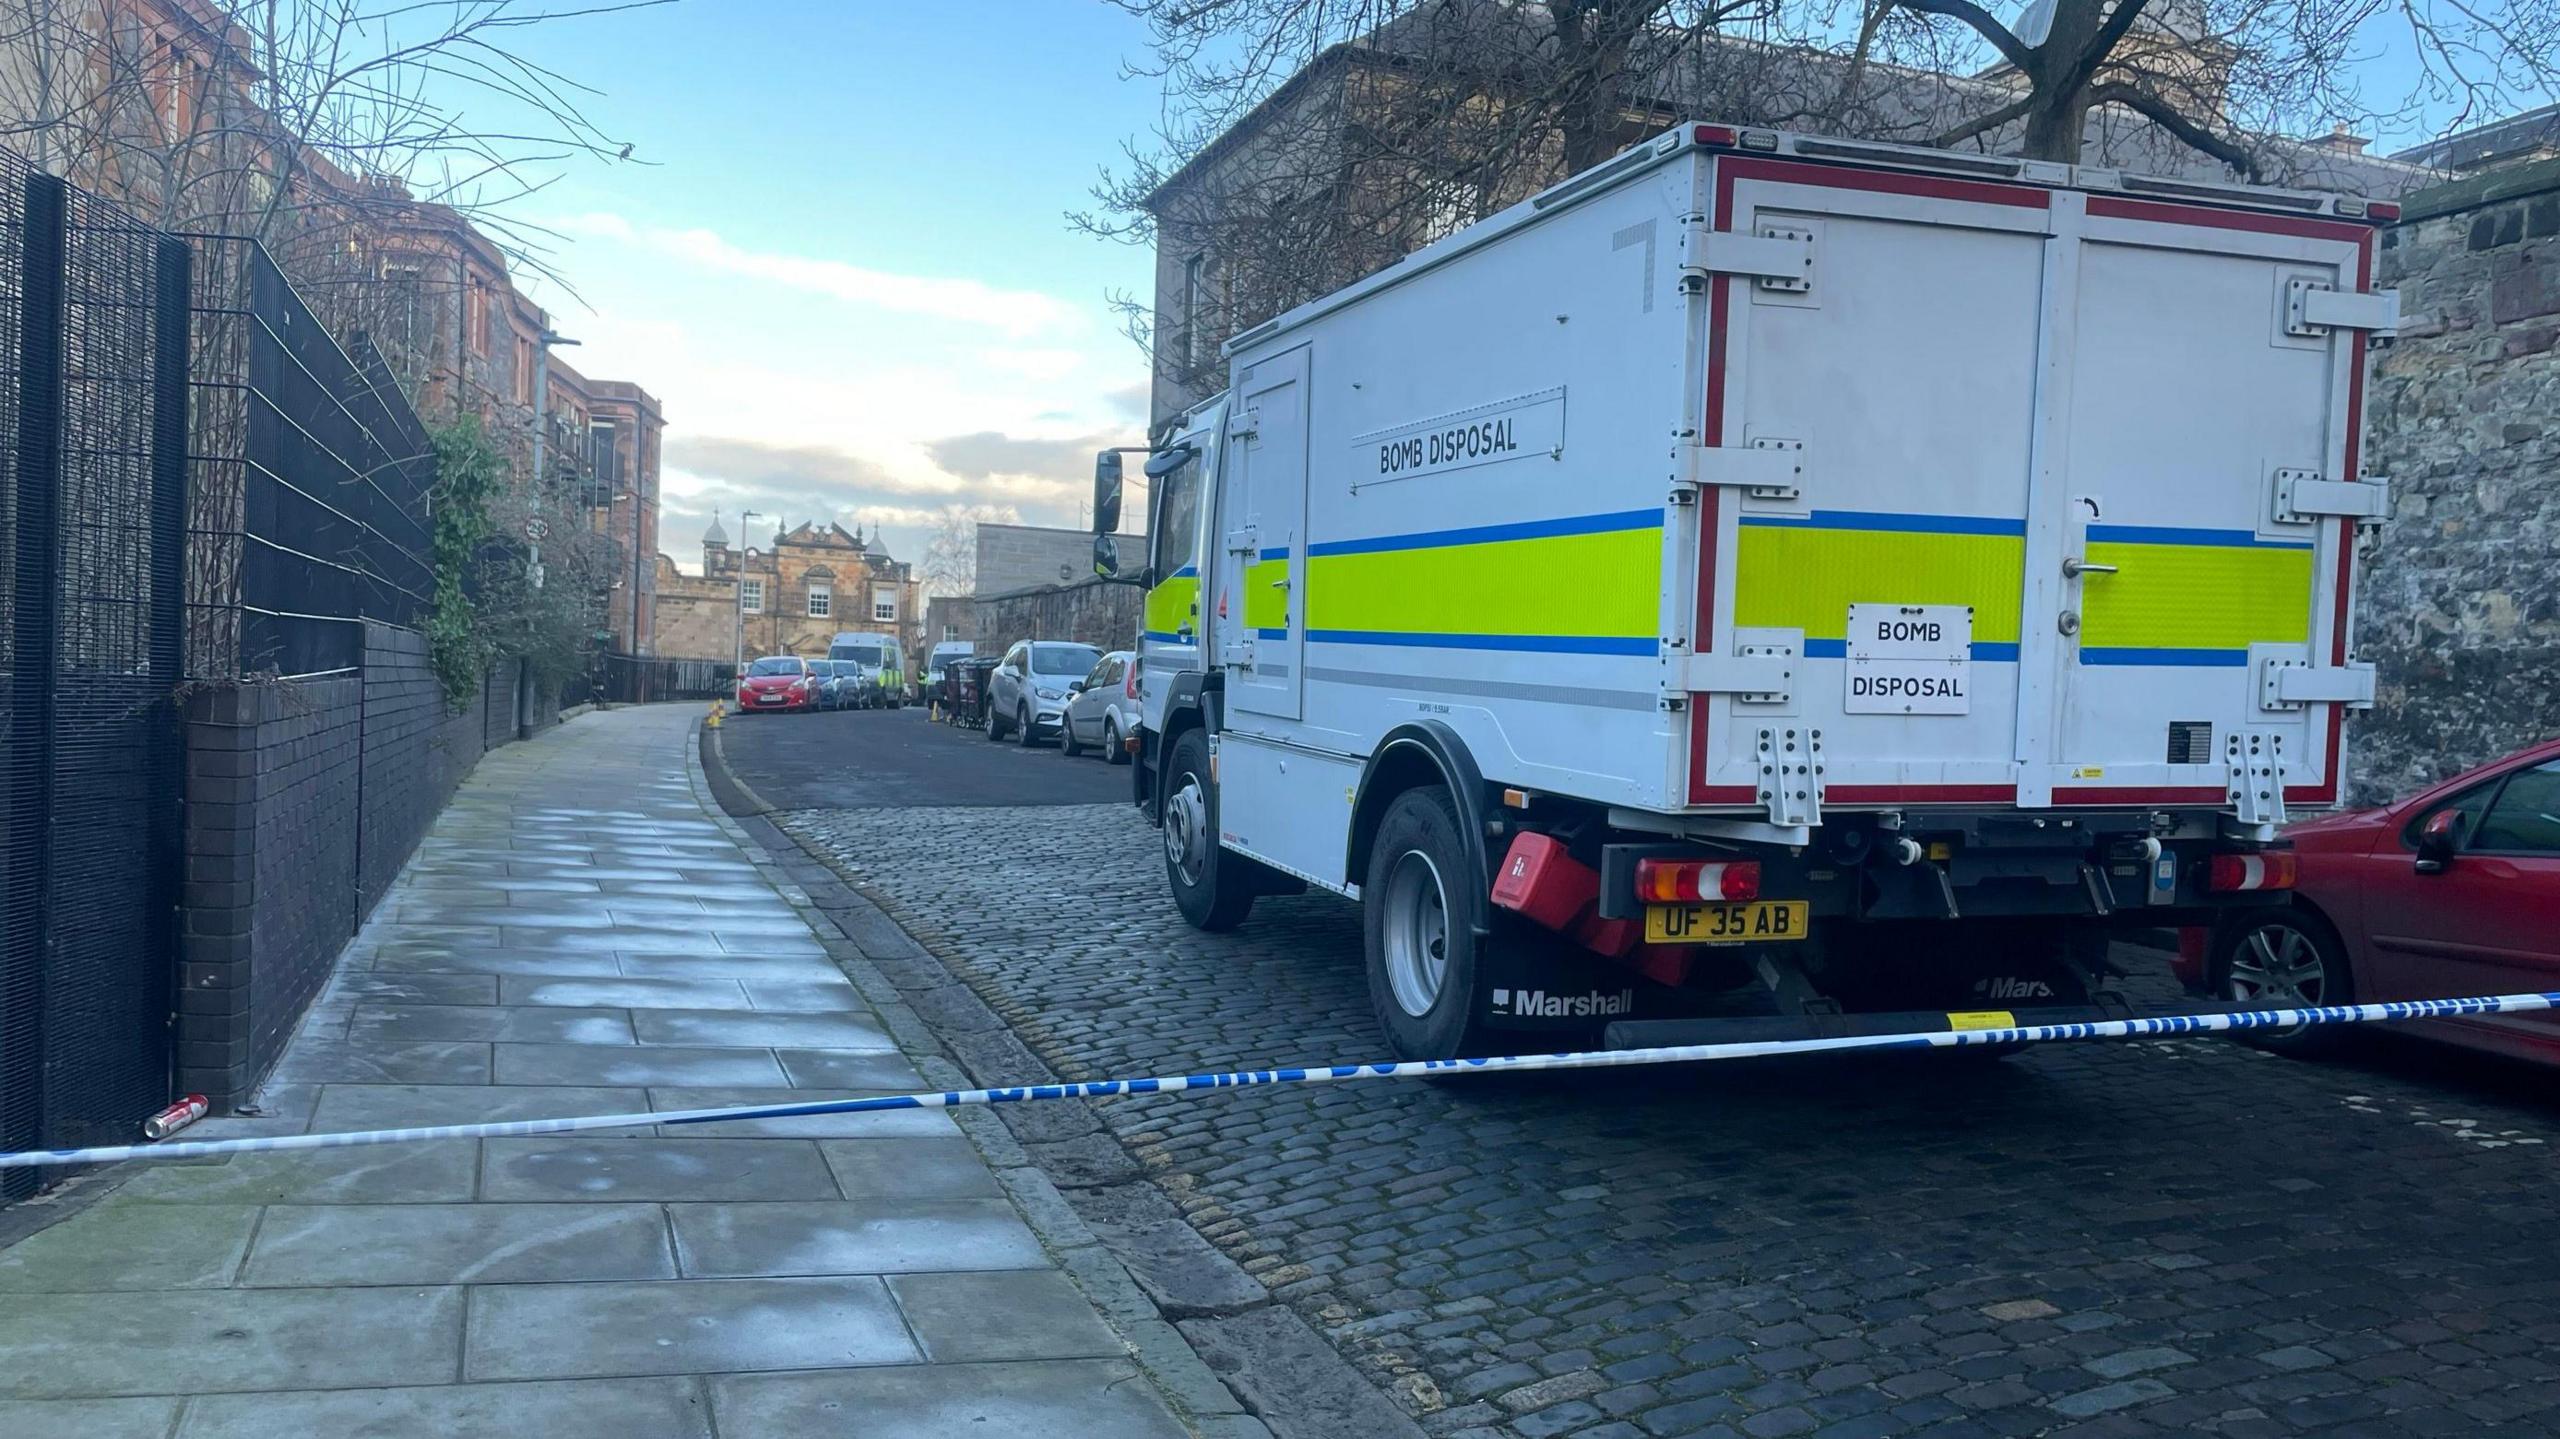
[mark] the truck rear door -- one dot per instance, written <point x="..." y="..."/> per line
<point x="2032" y="548"/>
<point x="1899" y="373"/>
<point x="2203" y="429"/>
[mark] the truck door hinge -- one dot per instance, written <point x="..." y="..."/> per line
<point x="1765" y="469"/>
<point x="1244" y="424"/>
<point x="1246" y="541"/>
<point x="2315" y="307"/>
<point x="1752" y="674"/>
<point x="1776" y="257"/>
<point x="2255" y="767"/>
<point x="2288" y="683"/>
<point x="2302" y="496"/>
<point x="1791" y="774"/>
<point x="1236" y="652"/>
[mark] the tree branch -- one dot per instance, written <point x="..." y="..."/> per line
<point x="2166" y="116"/>
<point x="2011" y="48"/>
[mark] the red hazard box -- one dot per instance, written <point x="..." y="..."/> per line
<point x="1544" y="883"/>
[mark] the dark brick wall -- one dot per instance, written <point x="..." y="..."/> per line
<point x="273" y="779"/>
<point x="305" y="797"/>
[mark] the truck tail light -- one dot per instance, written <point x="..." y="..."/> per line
<point x="1721" y="135"/>
<point x="1695" y="881"/>
<point x="2234" y="873"/>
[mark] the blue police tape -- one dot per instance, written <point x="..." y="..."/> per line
<point x="2160" y="1025"/>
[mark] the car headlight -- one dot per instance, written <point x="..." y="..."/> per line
<point x="1048" y="694"/>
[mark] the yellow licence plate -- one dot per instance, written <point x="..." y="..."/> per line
<point x="1759" y="921"/>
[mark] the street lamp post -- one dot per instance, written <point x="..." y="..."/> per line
<point x="738" y="629"/>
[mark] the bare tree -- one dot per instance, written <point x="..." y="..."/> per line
<point x="1308" y="142"/>
<point x="950" y="565"/>
<point x="307" y="125"/>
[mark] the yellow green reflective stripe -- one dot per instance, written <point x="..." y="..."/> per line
<point x="1583" y="584"/>
<point x="1266" y="594"/>
<point x="1169" y="605"/>
<point x="2208" y="593"/>
<point x="1794" y="574"/>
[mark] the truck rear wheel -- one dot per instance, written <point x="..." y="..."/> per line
<point x="1418" y="912"/>
<point x="1213" y="889"/>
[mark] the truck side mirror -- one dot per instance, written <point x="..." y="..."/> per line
<point x="1106" y="493"/>
<point x="2435" y="842"/>
<point x="1106" y="556"/>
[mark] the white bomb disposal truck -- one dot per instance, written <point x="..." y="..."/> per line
<point x="1866" y="572"/>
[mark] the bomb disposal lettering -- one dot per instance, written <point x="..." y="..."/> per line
<point x="1529" y="427"/>
<point x="1910" y="660"/>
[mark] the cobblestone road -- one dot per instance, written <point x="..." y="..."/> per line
<point x="2176" y="1237"/>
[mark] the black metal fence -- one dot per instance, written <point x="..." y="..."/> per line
<point x="642" y="679"/>
<point x="309" y="514"/>
<point x="94" y="339"/>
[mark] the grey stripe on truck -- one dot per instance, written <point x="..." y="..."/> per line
<point x="1491" y="689"/>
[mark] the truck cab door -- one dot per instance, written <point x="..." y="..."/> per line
<point x="1259" y="611"/>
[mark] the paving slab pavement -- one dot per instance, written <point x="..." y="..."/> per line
<point x="577" y="935"/>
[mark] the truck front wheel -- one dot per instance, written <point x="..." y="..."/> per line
<point x="1418" y="914"/>
<point x="1212" y="888"/>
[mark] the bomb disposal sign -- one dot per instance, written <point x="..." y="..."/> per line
<point x="1910" y="660"/>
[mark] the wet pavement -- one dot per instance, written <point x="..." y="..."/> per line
<point x="577" y="935"/>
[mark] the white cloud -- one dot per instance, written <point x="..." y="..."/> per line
<point x="1014" y="312"/>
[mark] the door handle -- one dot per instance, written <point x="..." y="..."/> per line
<point x="2073" y="567"/>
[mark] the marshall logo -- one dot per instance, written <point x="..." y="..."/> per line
<point x="1538" y="1004"/>
<point x="2012" y="987"/>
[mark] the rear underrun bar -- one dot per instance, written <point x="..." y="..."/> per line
<point x="2158" y="1026"/>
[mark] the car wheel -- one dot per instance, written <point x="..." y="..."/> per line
<point x="1067" y="737"/>
<point x="1112" y="753"/>
<point x="995" y="726"/>
<point x="2286" y="958"/>
<point x="1418" y="917"/>
<point x="1211" y="887"/>
<point x="1026" y="732"/>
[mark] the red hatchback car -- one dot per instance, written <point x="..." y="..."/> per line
<point x="777" y="682"/>
<point x="2453" y="892"/>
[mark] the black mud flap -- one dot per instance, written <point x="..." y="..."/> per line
<point x="1533" y="981"/>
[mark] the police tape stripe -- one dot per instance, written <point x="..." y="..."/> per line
<point x="2160" y="1025"/>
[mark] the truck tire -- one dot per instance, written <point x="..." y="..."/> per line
<point x="1213" y="889"/>
<point x="1418" y="911"/>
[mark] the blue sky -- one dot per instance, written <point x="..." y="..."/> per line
<point x="844" y="268"/>
<point x="846" y="272"/>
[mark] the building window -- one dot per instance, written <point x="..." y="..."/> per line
<point x="524" y="370"/>
<point x="950" y="633"/>
<point x="884" y="603"/>
<point x="822" y="601"/>
<point x="751" y="596"/>
<point x="604" y="463"/>
<point x="1193" y="271"/>
<point x="476" y="315"/>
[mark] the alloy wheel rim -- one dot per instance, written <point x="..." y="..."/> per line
<point x="2278" y="964"/>
<point x="1416" y="933"/>
<point x="1185" y="820"/>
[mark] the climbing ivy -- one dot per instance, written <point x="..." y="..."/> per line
<point x="469" y="476"/>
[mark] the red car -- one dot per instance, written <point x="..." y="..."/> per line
<point x="778" y="682"/>
<point x="2451" y="893"/>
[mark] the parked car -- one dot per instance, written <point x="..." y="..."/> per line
<point x="836" y="683"/>
<point x="1027" y="695"/>
<point x="1105" y="709"/>
<point x="2454" y="891"/>
<point x="778" y="682"/>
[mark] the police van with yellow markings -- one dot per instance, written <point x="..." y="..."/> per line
<point x="1869" y="572"/>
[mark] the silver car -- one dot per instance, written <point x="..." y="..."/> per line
<point x="1028" y="693"/>
<point x="1104" y="710"/>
